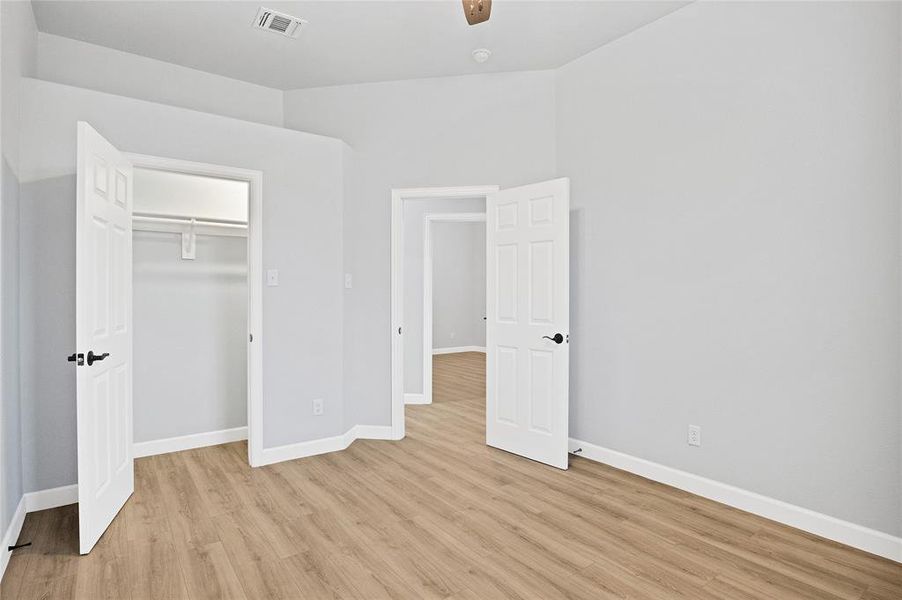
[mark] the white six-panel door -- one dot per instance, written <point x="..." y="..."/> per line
<point x="103" y="307"/>
<point x="527" y="305"/>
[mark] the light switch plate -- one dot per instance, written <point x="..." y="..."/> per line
<point x="272" y="277"/>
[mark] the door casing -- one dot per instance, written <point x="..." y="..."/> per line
<point x="254" y="280"/>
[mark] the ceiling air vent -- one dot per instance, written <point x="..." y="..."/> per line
<point x="280" y="23"/>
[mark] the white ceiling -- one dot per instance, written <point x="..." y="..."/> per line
<point x="349" y="42"/>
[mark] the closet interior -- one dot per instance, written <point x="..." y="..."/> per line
<point x="190" y="314"/>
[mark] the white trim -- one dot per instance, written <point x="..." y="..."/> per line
<point x="52" y="498"/>
<point x="188" y="442"/>
<point x="844" y="532"/>
<point x="397" y="283"/>
<point x="325" y="445"/>
<point x="456" y="349"/>
<point x="304" y="449"/>
<point x="11" y="536"/>
<point x="372" y="432"/>
<point x="416" y="399"/>
<point x="254" y="280"/>
<point x="428" y="220"/>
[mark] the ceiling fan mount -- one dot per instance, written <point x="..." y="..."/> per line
<point x="477" y="11"/>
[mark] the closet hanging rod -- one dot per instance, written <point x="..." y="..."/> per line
<point x="183" y="220"/>
<point x="141" y="222"/>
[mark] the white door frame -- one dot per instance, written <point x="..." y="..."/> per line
<point x="398" y="195"/>
<point x="428" y="220"/>
<point x="254" y="281"/>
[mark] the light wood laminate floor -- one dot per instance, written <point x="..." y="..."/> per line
<point x="437" y="515"/>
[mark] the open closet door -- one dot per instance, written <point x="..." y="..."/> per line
<point x="528" y="320"/>
<point x="103" y="333"/>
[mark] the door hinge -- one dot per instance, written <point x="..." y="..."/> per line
<point x="399" y="331"/>
<point x="250" y="337"/>
<point x="77" y="358"/>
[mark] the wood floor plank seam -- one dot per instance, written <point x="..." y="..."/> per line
<point x="437" y="515"/>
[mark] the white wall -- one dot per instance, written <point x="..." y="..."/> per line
<point x="17" y="58"/>
<point x="302" y="233"/>
<point x="473" y="130"/>
<point x="190" y="342"/>
<point x="414" y="215"/>
<point x="81" y="64"/>
<point x="458" y="290"/>
<point x="735" y="249"/>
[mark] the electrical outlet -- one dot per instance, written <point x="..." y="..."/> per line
<point x="695" y="435"/>
<point x="349" y="281"/>
<point x="318" y="407"/>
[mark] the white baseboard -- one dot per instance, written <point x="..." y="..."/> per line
<point x="12" y="535"/>
<point x="322" y="446"/>
<point x="52" y="498"/>
<point x="373" y="432"/>
<point x="415" y="399"/>
<point x="189" y="442"/>
<point x="456" y="349"/>
<point x="304" y="449"/>
<point x="844" y="532"/>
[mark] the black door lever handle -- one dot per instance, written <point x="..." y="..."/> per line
<point x="557" y="339"/>
<point x="92" y="358"/>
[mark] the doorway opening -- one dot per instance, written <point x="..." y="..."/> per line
<point x="415" y="215"/>
<point x="527" y="309"/>
<point x="104" y="301"/>
<point x="197" y="311"/>
<point x="453" y="305"/>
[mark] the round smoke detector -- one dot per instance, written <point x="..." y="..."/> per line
<point x="481" y="55"/>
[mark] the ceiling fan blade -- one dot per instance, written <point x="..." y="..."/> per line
<point x="477" y="11"/>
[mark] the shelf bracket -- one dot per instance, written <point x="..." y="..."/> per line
<point x="189" y="242"/>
